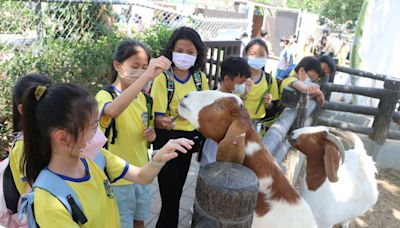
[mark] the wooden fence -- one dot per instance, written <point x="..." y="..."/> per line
<point x="384" y="114"/>
<point x="217" y="51"/>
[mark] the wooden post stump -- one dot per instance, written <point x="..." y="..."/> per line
<point x="226" y="196"/>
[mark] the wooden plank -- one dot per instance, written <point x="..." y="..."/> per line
<point x="363" y="91"/>
<point x="344" y="125"/>
<point x="364" y="74"/>
<point x="329" y="105"/>
<point x="386" y="108"/>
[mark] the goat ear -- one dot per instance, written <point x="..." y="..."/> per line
<point x="231" y="148"/>
<point x="331" y="161"/>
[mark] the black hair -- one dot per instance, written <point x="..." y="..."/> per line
<point x="263" y="32"/>
<point x="66" y="106"/>
<point x="330" y="62"/>
<point x="234" y="66"/>
<point x="185" y="33"/>
<point x="257" y="41"/>
<point x="23" y="84"/>
<point x="285" y="40"/>
<point x="309" y="63"/>
<point x="124" y="51"/>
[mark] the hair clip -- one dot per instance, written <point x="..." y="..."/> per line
<point x="39" y="92"/>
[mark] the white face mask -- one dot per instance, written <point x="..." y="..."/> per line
<point x="239" y="89"/>
<point x="183" y="61"/>
<point x="94" y="145"/>
<point x="257" y="63"/>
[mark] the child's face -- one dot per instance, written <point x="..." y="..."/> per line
<point x="133" y="67"/>
<point x="311" y="75"/>
<point x="257" y="51"/>
<point x="71" y="146"/>
<point x="325" y="69"/>
<point x="185" y="46"/>
<point x="230" y="83"/>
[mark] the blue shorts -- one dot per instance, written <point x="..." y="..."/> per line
<point x="134" y="202"/>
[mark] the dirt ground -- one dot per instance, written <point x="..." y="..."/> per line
<point x="386" y="212"/>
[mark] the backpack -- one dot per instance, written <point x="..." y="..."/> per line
<point x="112" y="127"/>
<point x="169" y="76"/>
<point x="56" y="186"/>
<point x="9" y="195"/>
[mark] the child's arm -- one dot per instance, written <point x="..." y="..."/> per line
<point x="156" y="67"/>
<point x="147" y="173"/>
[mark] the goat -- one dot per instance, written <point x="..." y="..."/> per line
<point x="340" y="182"/>
<point x="223" y="118"/>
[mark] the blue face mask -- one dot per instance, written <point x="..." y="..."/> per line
<point x="257" y="63"/>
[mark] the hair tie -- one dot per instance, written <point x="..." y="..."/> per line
<point x="40" y="91"/>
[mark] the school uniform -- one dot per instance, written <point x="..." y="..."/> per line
<point x="93" y="191"/>
<point x="134" y="200"/>
<point x="173" y="175"/>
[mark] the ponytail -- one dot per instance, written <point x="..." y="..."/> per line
<point x="37" y="146"/>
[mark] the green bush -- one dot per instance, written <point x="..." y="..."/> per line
<point x="85" y="61"/>
<point x="156" y="38"/>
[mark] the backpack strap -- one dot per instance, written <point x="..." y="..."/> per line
<point x="100" y="160"/>
<point x="26" y="208"/>
<point x="197" y="80"/>
<point x="169" y="76"/>
<point x="56" y="186"/>
<point x="112" y="127"/>
<point x="268" y="79"/>
<point x="149" y="106"/>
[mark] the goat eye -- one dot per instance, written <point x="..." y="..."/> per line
<point x="220" y="107"/>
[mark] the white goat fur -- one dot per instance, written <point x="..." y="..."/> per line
<point x="352" y="195"/>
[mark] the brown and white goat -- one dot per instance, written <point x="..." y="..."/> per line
<point x="223" y="118"/>
<point x="340" y="179"/>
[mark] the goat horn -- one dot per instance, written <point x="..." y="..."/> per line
<point x="337" y="143"/>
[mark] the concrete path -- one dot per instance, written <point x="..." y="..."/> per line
<point x="185" y="214"/>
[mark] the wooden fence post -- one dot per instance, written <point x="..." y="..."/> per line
<point x="226" y="196"/>
<point x="386" y="109"/>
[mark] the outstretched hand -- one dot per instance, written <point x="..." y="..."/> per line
<point x="169" y="150"/>
<point x="157" y="66"/>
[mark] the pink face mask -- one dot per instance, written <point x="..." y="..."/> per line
<point x="93" y="146"/>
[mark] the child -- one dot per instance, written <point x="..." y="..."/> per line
<point x="262" y="96"/>
<point x="14" y="176"/>
<point x="286" y="61"/>
<point x="130" y="115"/>
<point x="302" y="77"/>
<point x="187" y="52"/>
<point x="58" y="123"/>
<point x="234" y="71"/>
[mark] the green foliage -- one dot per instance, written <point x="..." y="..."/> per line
<point x="340" y="11"/>
<point x="156" y="38"/>
<point x="86" y="62"/>
<point x="16" y="17"/>
<point x="309" y="5"/>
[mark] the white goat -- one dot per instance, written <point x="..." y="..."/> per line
<point x="340" y="182"/>
<point x="223" y="118"/>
